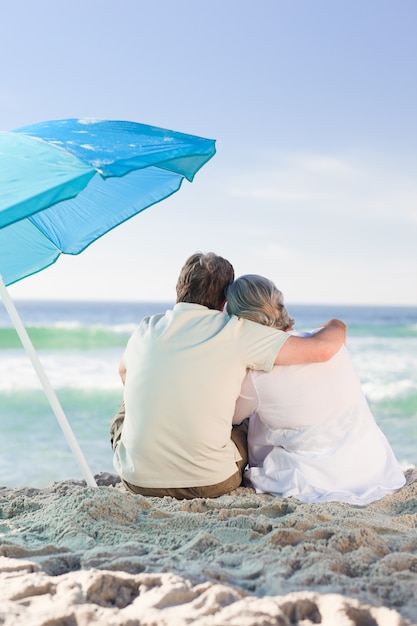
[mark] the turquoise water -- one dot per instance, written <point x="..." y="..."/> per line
<point x="80" y="346"/>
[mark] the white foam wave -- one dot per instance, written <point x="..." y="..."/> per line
<point x="64" y="370"/>
<point x="377" y="391"/>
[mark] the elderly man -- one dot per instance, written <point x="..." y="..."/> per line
<point x="182" y="373"/>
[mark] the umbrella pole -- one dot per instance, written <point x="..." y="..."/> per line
<point x="53" y="400"/>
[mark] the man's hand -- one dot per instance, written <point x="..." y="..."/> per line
<point x="122" y="371"/>
<point x="314" y="349"/>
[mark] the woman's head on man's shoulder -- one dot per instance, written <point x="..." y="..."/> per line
<point x="257" y="298"/>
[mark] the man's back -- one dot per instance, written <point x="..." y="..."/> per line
<point x="183" y="374"/>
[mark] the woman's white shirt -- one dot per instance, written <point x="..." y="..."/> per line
<point x="312" y="435"/>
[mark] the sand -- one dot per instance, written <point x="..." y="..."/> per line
<point x="71" y="555"/>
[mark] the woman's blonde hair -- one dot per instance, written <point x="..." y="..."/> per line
<point x="256" y="298"/>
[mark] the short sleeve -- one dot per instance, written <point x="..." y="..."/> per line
<point x="260" y="344"/>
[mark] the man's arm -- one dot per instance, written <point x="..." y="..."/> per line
<point x="314" y="349"/>
<point x="247" y="402"/>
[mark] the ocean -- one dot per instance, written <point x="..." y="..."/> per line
<point x="80" y="345"/>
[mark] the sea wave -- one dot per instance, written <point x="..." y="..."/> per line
<point x="73" y="335"/>
<point x="382" y="330"/>
<point x="69" y="336"/>
<point x="90" y="370"/>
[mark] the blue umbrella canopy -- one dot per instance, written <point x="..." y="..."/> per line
<point x="65" y="183"/>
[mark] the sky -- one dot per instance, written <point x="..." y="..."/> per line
<point x="313" y="105"/>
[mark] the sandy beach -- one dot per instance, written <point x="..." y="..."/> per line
<point x="73" y="555"/>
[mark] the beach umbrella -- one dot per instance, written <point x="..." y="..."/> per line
<point x="65" y="183"/>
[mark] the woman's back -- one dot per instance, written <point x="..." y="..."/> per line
<point x="313" y="435"/>
<point x="308" y="394"/>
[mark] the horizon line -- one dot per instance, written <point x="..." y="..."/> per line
<point x="172" y="302"/>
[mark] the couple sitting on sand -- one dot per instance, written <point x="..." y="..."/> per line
<point x="193" y="375"/>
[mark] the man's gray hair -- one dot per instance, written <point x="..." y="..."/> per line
<point x="256" y="298"/>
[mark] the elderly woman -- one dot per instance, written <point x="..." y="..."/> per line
<point x="311" y="433"/>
